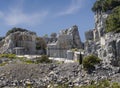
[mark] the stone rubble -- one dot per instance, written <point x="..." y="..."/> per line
<point x="42" y="75"/>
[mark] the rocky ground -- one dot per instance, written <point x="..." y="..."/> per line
<point x="41" y="75"/>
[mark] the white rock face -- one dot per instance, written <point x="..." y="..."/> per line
<point x="107" y="48"/>
<point x="17" y="42"/>
<point x="73" y="33"/>
<point x="100" y="19"/>
<point x="89" y="35"/>
<point x="102" y="41"/>
<point x="99" y="30"/>
<point x="67" y="39"/>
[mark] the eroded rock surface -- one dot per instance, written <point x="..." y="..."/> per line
<point x="19" y="42"/>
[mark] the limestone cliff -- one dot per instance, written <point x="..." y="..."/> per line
<point x="67" y="39"/>
<point x="74" y="33"/>
<point x="100" y="18"/>
<point x="19" y="43"/>
<point x="104" y="45"/>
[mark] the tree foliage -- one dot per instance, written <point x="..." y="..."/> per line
<point x="105" y="5"/>
<point x="40" y="43"/>
<point x="15" y="30"/>
<point x="18" y="29"/>
<point x="113" y="21"/>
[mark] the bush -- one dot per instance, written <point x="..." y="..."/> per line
<point x="43" y="59"/>
<point x="18" y="29"/>
<point x="105" y="5"/>
<point x="115" y="85"/>
<point x="90" y="61"/>
<point x="40" y="44"/>
<point x="29" y="61"/>
<point x="113" y="21"/>
<point x="103" y="84"/>
<point x="15" y="30"/>
<point x="11" y="56"/>
<point x="100" y="84"/>
<point x="3" y="64"/>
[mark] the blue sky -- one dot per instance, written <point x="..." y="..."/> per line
<point x="46" y="16"/>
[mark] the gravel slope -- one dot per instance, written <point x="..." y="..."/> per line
<point x="40" y="75"/>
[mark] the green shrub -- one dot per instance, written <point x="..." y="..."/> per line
<point x="115" y="85"/>
<point x="3" y="64"/>
<point x="113" y="21"/>
<point x="18" y="29"/>
<point x="15" y="30"/>
<point x="43" y="59"/>
<point x="105" y="5"/>
<point x="104" y="83"/>
<point x="90" y="61"/>
<point x="100" y="84"/>
<point x="11" y="56"/>
<point x="40" y="44"/>
<point x="29" y="61"/>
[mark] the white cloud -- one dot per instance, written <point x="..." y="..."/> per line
<point x="16" y="17"/>
<point x="72" y="8"/>
<point x="1" y="14"/>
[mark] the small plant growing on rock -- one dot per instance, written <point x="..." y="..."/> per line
<point x="90" y="61"/>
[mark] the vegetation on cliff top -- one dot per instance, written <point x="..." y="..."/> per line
<point x="113" y="21"/>
<point x="105" y="5"/>
<point x="18" y="29"/>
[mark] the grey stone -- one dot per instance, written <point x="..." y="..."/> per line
<point x="89" y="35"/>
<point x="100" y="18"/>
<point x="1" y="61"/>
<point x="19" y="43"/>
<point x="118" y="49"/>
<point x="61" y="74"/>
<point x="67" y="39"/>
<point x="107" y="50"/>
